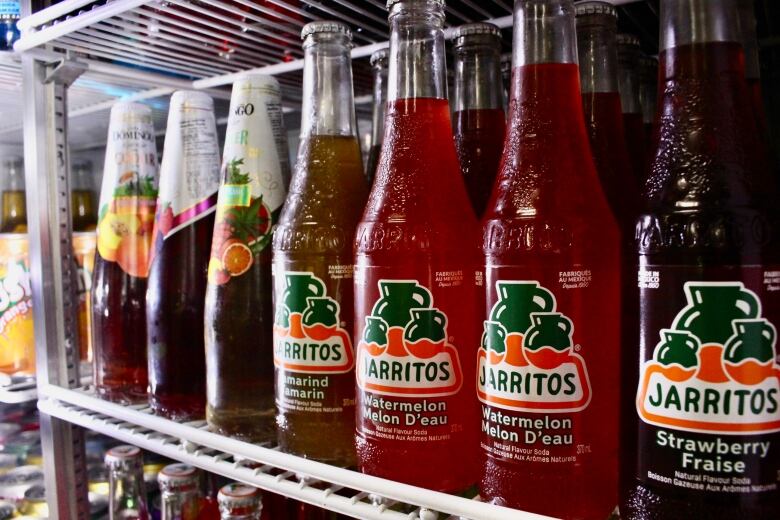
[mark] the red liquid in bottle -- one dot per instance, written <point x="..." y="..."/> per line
<point x="416" y="249"/>
<point x="553" y="301"/>
<point x="479" y="140"/>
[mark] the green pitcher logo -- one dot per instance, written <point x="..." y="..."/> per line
<point x="715" y="368"/>
<point x="404" y="350"/>
<point x="526" y="360"/>
<point x="308" y="336"/>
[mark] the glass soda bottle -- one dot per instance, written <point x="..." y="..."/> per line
<point x="415" y="276"/>
<point x="701" y="433"/>
<point x="181" y="497"/>
<point x="239" y="502"/>
<point x="648" y="99"/>
<point x="126" y="493"/>
<point x="82" y="206"/>
<point x="313" y="292"/>
<point x="124" y="237"/>
<point x="596" y="31"/>
<point x="239" y="311"/>
<point x="548" y="360"/>
<point x="14" y="216"/>
<point x="628" y="77"/>
<point x="183" y="225"/>
<point x="378" y="62"/>
<point x="479" y="119"/>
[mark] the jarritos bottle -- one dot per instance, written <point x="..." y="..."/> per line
<point x="701" y="435"/>
<point x="124" y="236"/>
<point x="480" y="122"/>
<point x="189" y="181"/>
<point x="313" y="298"/>
<point x="597" y="53"/>
<point x="415" y="276"/>
<point x="239" y="311"/>
<point x="548" y="362"/>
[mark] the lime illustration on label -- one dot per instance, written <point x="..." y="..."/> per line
<point x="404" y="349"/>
<point x="308" y="336"/>
<point x="527" y="360"/>
<point x="715" y="369"/>
<point x="242" y="227"/>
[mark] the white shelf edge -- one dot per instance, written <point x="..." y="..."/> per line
<point x="19" y="392"/>
<point x="166" y="437"/>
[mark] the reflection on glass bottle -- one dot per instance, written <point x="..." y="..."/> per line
<point x="82" y="205"/>
<point x="14" y="218"/>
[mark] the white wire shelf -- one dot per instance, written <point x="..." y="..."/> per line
<point x="18" y="390"/>
<point x="336" y="489"/>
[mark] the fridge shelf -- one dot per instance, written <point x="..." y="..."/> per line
<point x="18" y="391"/>
<point x="336" y="489"/>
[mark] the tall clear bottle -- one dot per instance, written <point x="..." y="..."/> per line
<point x="701" y="431"/>
<point x="479" y="120"/>
<point x="415" y="276"/>
<point x="189" y="180"/>
<point x="312" y="262"/>
<point x="628" y="76"/>
<point x="597" y="51"/>
<point x="378" y="62"/>
<point x="126" y="491"/>
<point x="548" y="362"/>
<point x="239" y="308"/>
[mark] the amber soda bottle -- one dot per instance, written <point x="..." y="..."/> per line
<point x="189" y="180"/>
<point x="416" y="261"/>
<point x="124" y="237"/>
<point x="378" y="62"/>
<point x="548" y="360"/>
<point x="479" y="120"/>
<point x="239" y="311"/>
<point x="14" y="204"/>
<point x="312" y="247"/>
<point x="82" y="205"/>
<point x="700" y="409"/>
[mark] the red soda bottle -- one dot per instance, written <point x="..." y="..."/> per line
<point x="628" y="59"/>
<point x="189" y="180"/>
<point x="596" y="30"/>
<point x="548" y="360"/>
<point x="701" y="432"/>
<point x="415" y="280"/>
<point x="480" y="122"/>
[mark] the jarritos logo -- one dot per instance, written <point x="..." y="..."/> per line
<point x="308" y="336"/>
<point x="527" y="361"/>
<point x="715" y="370"/>
<point x="404" y="349"/>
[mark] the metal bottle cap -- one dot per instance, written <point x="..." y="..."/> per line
<point x="627" y="39"/>
<point x="477" y="28"/>
<point x="178" y="477"/>
<point x="238" y="496"/>
<point x="586" y="8"/>
<point x="124" y="457"/>
<point x="325" y="26"/>
<point x="381" y="54"/>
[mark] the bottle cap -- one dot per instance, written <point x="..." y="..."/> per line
<point x="236" y="497"/>
<point x="381" y="54"/>
<point x="124" y="457"/>
<point x="178" y="477"/>
<point x="586" y="8"/>
<point x="627" y="39"/>
<point x="391" y="3"/>
<point x="475" y="28"/>
<point x="325" y="26"/>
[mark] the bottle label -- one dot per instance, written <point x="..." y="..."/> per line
<point x="10" y="9"/>
<point x="15" y="306"/>
<point x="708" y="395"/>
<point x="311" y="344"/>
<point x="255" y="170"/>
<point x="189" y="173"/>
<point x="128" y="197"/>
<point x="531" y="375"/>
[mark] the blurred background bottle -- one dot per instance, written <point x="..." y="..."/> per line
<point x="628" y="78"/>
<point x="378" y="62"/>
<point x="82" y="196"/>
<point x="127" y="496"/>
<point x="14" y="205"/>
<point x="239" y="502"/>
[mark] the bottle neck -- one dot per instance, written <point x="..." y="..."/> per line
<point x="544" y="32"/>
<point x="747" y="29"/>
<point x="685" y="22"/>
<point x="328" y="104"/>
<point x="628" y="78"/>
<point x="126" y="495"/>
<point x="597" y="53"/>
<point x="181" y="505"/>
<point x="380" y="100"/>
<point x="417" y="60"/>
<point x="478" y="73"/>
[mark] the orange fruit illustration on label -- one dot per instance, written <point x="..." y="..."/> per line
<point x="236" y="258"/>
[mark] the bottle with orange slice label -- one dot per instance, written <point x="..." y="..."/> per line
<point x="124" y="237"/>
<point x="17" y="343"/>
<point x="239" y="315"/>
<point x="189" y="180"/>
<point x="313" y="293"/>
